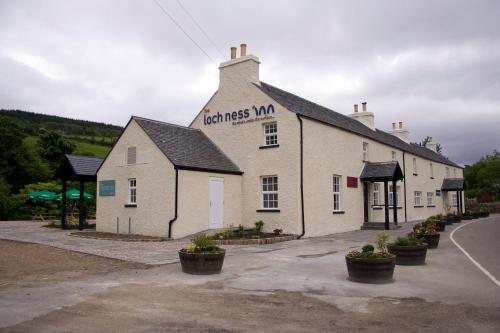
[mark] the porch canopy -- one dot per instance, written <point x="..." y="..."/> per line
<point x="77" y="168"/>
<point x="458" y="186"/>
<point x="385" y="172"/>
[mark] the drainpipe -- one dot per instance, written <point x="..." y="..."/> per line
<point x="175" y="207"/>
<point x="301" y="178"/>
<point x="404" y="184"/>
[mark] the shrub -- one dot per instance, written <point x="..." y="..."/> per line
<point x="368" y="248"/>
<point x="411" y="240"/>
<point x="277" y="231"/>
<point x="259" y="225"/>
<point x="204" y="243"/>
<point x="368" y="251"/>
<point x="241" y="231"/>
<point x="381" y="241"/>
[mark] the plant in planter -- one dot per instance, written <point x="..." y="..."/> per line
<point x="370" y="266"/>
<point x="408" y="250"/>
<point x="277" y="232"/>
<point x="483" y="211"/>
<point x="467" y="215"/>
<point x="428" y="234"/>
<point x="202" y="256"/>
<point x="450" y="218"/>
<point x="439" y="224"/>
<point x="259" y="226"/>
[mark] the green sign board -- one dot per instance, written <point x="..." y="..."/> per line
<point x="106" y="188"/>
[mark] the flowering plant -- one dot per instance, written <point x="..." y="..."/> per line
<point x="277" y="231"/>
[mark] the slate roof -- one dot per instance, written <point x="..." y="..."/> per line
<point x="187" y="148"/>
<point x="322" y="114"/>
<point x="379" y="171"/>
<point x="452" y="184"/>
<point x="74" y="167"/>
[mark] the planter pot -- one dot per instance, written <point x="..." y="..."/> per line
<point x="431" y="240"/>
<point x="201" y="263"/>
<point x="367" y="270"/>
<point x="457" y="219"/>
<point x="449" y="220"/>
<point x="409" y="255"/>
<point x="467" y="217"/>
<point x="441" y="225"/>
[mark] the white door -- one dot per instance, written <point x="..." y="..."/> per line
<point x="215" y="203"/>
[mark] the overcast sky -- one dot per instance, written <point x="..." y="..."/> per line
<point x="433" y="64"/>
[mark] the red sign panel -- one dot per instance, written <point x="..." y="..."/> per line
<point x="352" y="182"/>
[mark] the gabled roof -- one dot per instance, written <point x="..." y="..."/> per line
<point x="380" y="171"/>
<point x="187" y="148"/>
<point x="74" y="167"/>
<point x="452" y="184"/>
<point x="319" y="113"/>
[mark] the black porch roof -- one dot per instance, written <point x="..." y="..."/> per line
<point x="453" y="184"/>
<point x="77" y="168"/>
<point x="381" y="171"/>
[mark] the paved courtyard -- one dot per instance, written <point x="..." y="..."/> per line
<point x="291" y="286"/>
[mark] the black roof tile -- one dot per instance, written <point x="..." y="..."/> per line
<point x="187" y="148"/>
<point x="322" y="114"/>
<point x="378" y="171"/>
<point x="452" y="184"/>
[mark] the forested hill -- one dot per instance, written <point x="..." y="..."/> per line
<point x="34" y="122"/>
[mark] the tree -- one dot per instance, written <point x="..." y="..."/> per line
<point x="439" y="148"/>
<point x="484" y="176"/>
<point x="53" y="147"/>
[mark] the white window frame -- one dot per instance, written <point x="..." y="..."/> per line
<point x="337" y="193"/>
<point x="269" y="195"/>
<point x="431" y="169"/>
<point x="132" y="191"/>
<point x="430" y="198"/>
<point x="447" y="170"/>
<point x="131" y="152"/>
<point x="393" y="155"/>
<point x="415" y="166"/>
<point x="417" y="198"/>
<point x="366" y="148"/>
<point x="398" y="194"/>
<point x="455" y="173"/>
<point x="454" y="199"/>
<point x="376" y="194"/>
<point x="270" y="133"/>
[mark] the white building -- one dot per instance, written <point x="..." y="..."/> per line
<point x="255" y="152"/>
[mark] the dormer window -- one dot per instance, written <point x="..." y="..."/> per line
<point x="365" y="151"/>
<point x="132" y="155"/>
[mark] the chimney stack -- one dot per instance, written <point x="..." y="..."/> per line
<point x="238" y="71"/>
<point x="233" y="52"/>
<point x="401" y="132"/>
<point x="243" y="50"/>
<point x="365" y="117"/>
<point x="431" y="145"/>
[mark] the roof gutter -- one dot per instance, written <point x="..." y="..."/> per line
<point x="171" y="222"/>
<point x="301" y="177"/>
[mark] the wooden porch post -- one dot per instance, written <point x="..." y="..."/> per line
<point x="386" y="204"/>
<point x="395" y="201"/>
<point x="63" y="204"/>
<point x="81" y="214"/>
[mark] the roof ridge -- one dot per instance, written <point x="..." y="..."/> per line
<point x="165" y="123"/>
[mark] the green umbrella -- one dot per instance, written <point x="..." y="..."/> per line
<point x="74" y="194"/>
<point x="42" y="195"/>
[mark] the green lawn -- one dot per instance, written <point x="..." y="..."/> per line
<point x="82" y="148"/>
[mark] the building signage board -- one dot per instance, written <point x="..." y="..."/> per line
<point x="106" y="188"/>
<point x="241" y="116"/>
<point x="352" y="182"/>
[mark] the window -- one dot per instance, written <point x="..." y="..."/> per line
<point x="414" y="166"/>
<point x="365" y="151"/>
<point x="430" y="198"/>
<point x="454" y="200"/>
<point x="271" y="134"/>
<point x="447" y="172"/>
<point x="393" y="155"/>
<point x="131" y="155"/>
<point x="431" y="170"/>
<point x="337" y="193"/>
<point x="269" y="192"/>
<point x="418" y="198"/>
<point x="391" y="198"/>
<point x="455" y="173"/>
<point x="132" y="191"/>
<point x="376" y="194"/>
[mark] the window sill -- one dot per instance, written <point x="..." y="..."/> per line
<point x="432" y="177"/>
<point x="418" y="206"/>
<point x="399" y="207"/>
<point x="338" y="212"/>
<point x="415" y="174"/>
<point x="377" y="207"/>
<point x="270" y="146"/>
<point x="267" y="210"/>
<point x="130" y="205"/>
<point x="431" y="206"/>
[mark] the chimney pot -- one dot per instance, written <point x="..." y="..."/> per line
<point x="393" y="125"/>
<point x="400" y="124"/>
<point x="243" y="50"/>
<point x="364" y="106"/>
<point x="430" y="139"/>
<point x="233" y="52"/>
<point x="355" y="107"/>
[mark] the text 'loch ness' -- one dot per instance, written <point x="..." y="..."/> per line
<point x="241" y="116"/>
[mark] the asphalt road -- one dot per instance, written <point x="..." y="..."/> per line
<point x="481" y="239"/>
